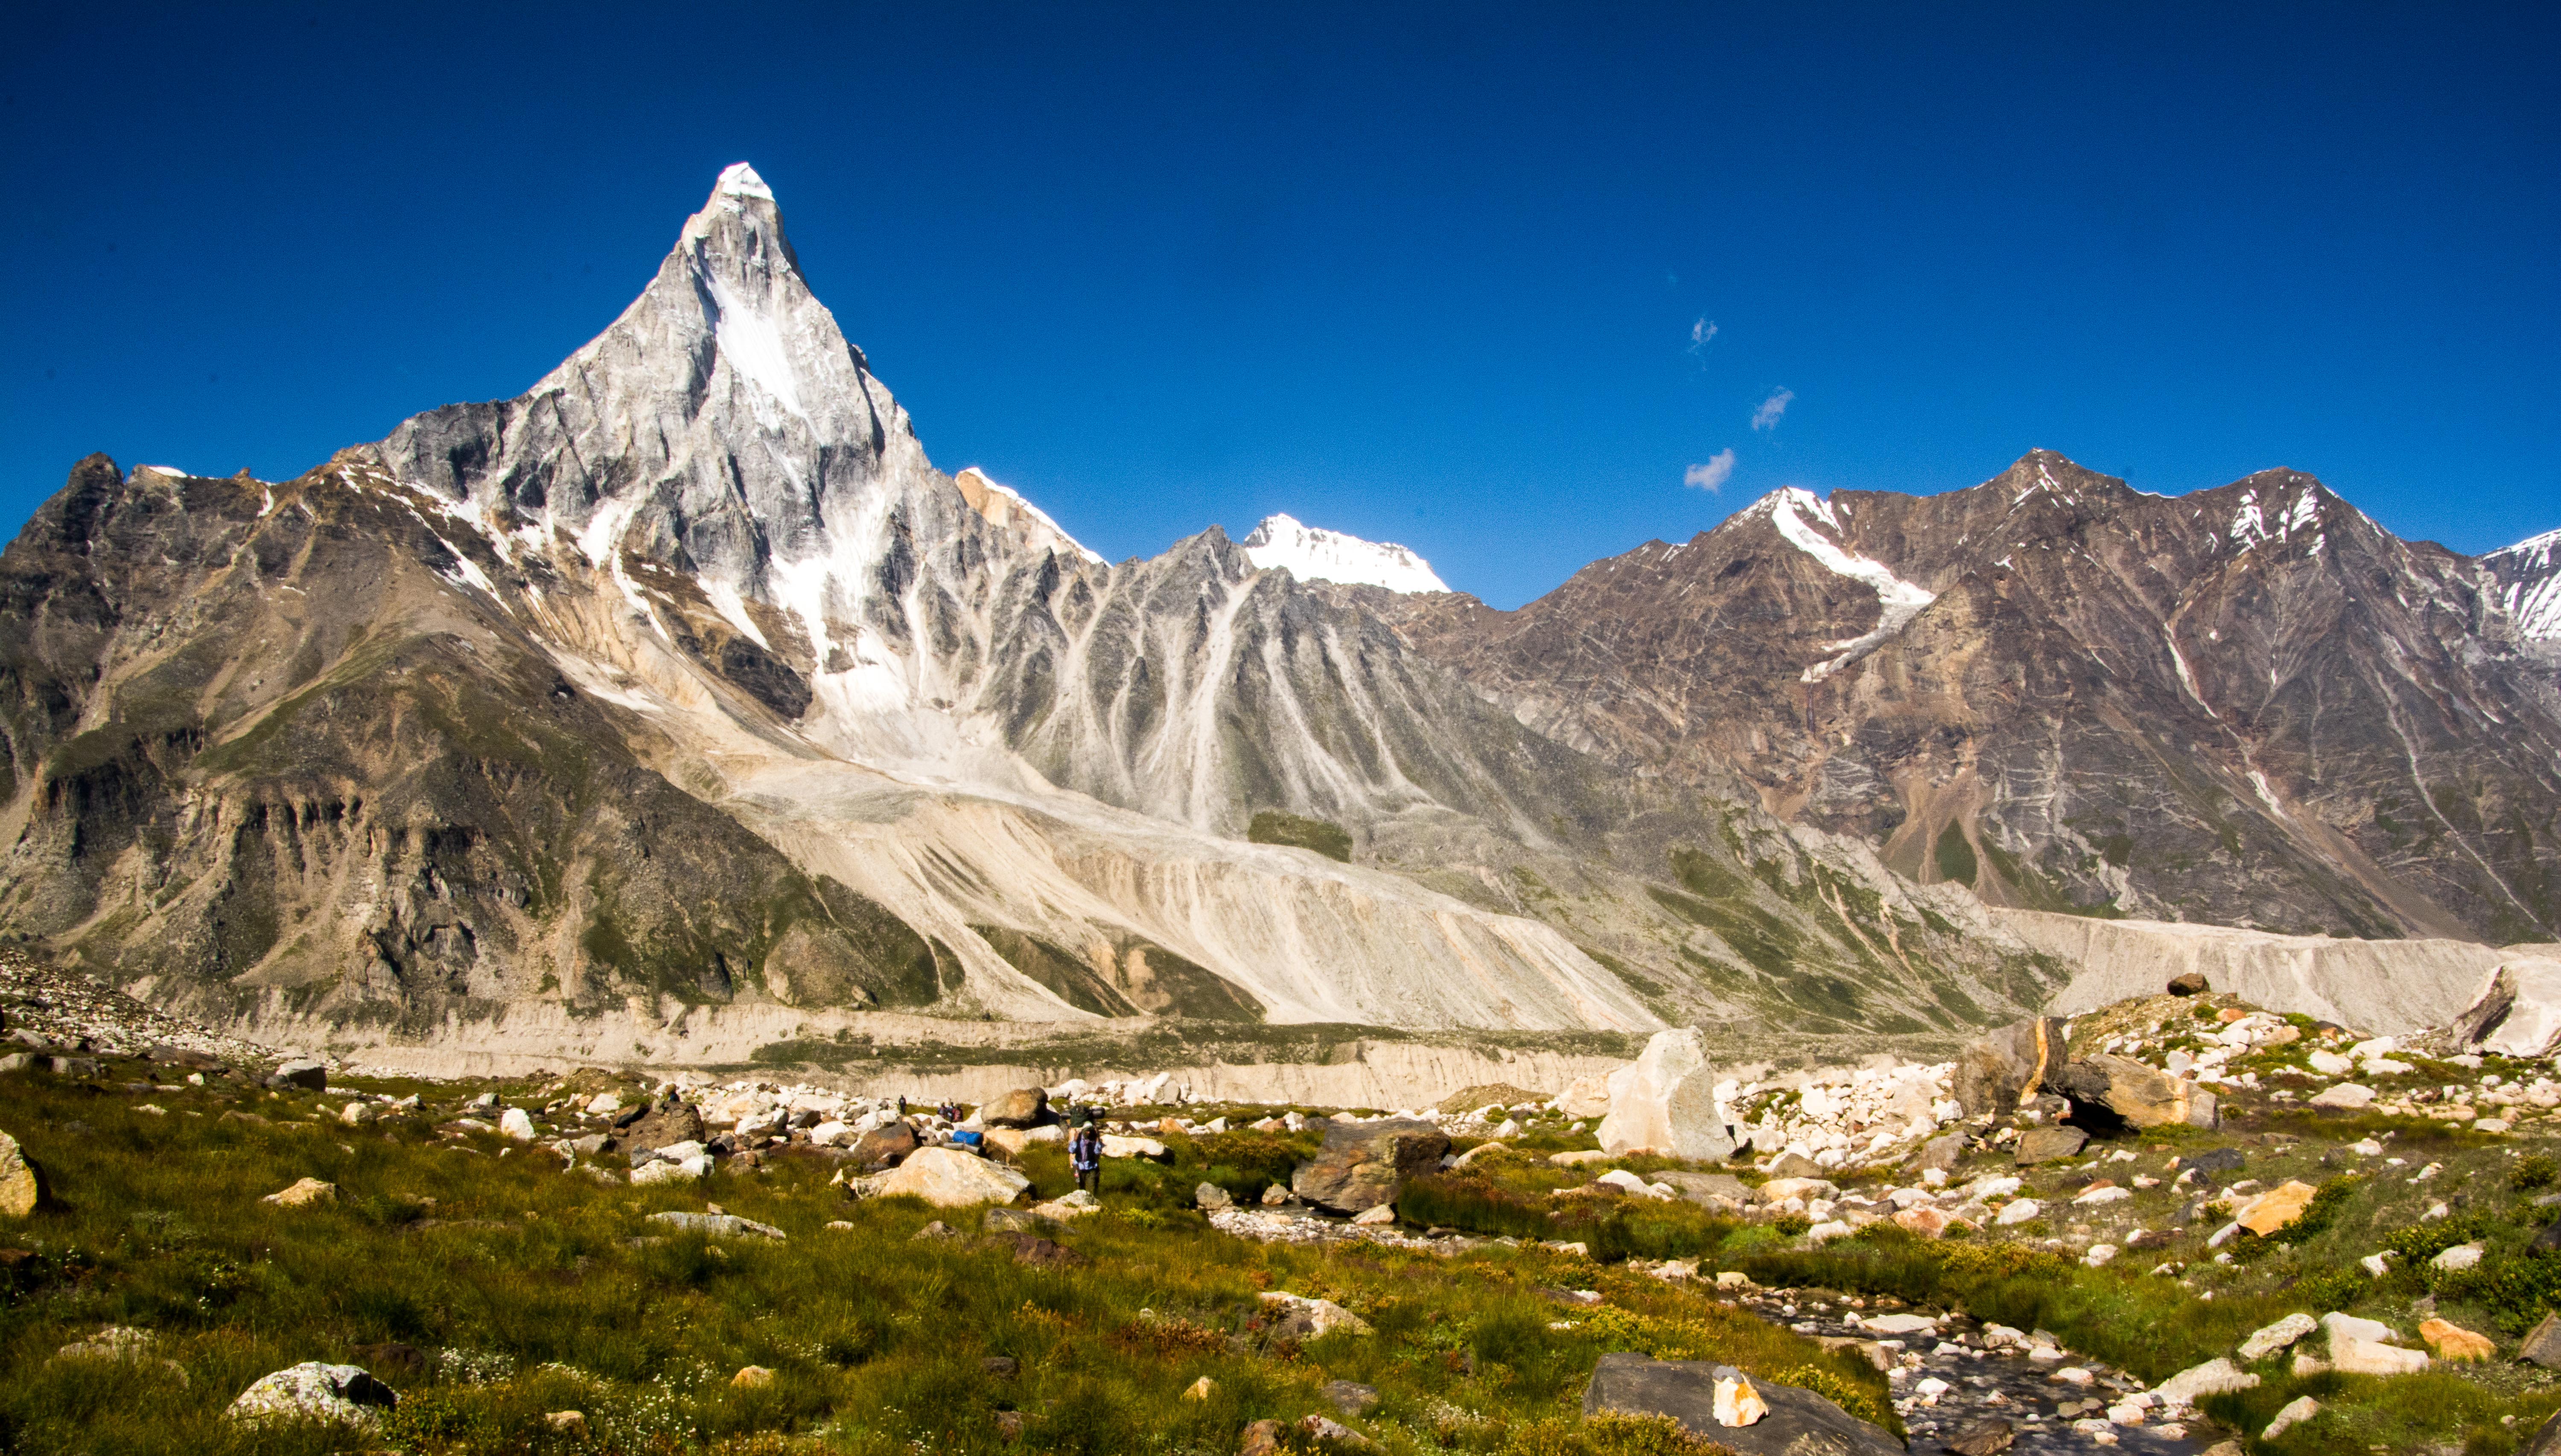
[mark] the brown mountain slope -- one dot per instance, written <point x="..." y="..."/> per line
<point x="2250" y="706"/>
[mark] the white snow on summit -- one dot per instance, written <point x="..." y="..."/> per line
<point x="1313" y="553"/>
<point x="2534" y="597"/>
<point x="1795" y="512"/>
<point x="1004" y="505"/>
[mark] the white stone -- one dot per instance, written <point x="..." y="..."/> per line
<point x="310" y="1391"/>
<point x="1383" y="1214"/>
<point x="672" y="1170"/>
<point x="2351" y="1327"/>
<point x="831" y="1134"/>
<point x="2105" y="1196"/>
<point x="2214" y="1378"/>
<point x="2460" y="1257"/>
<point x="2017" y="1211"/>
<point x="950" y="1178"/>
<point x="1826" y="1233"/>
<point x="2377" y="1265"/>
<point x="1116" y="1146"/>
<point x="2373" y="1357"/>
<point x="2528" y="1022"/>
<point x="2294" y="1413"/>
<point x="2269" y="1339"/>
<point x="517" y="1124"/>
<point x="2099" y="1254"/>
<point x="1665" y="1100"/>
<point x="1901" y="1323"/>
<point x="2345" y="1095"/>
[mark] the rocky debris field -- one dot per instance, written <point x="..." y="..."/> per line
<point x="48" y="1012"/>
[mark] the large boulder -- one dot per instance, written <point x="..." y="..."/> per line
<point x="1797" y="1422"/>
<point x="1585" y="1097"/>
<point x="1022" y="1107"/>
<point x="1666" y="1101"/>
<point x="1365" y="1164"/>
<point x="2130" y="1092"/>
<point x="302" y="1072"/>
<point x="670" y="1122"/>
<point x="2517" y="1011"/>
<point x="885" y="1145"/>
<point x="342" y="1394"/>
<point x="1996" y="1070"/>
<point x="950" y="1178"/>
<point x="22" y="1184"/>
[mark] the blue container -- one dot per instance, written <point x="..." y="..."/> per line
<point x="969" y="1139"/>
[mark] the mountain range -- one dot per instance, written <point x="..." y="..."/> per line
<point x="683" y="690"/>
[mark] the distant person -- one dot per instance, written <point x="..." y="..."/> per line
<point x="1085" y="1155"/>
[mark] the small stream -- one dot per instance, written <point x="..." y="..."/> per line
<point x="2046" y="1414"/>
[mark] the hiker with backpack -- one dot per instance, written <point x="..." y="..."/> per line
<point x="1084" y="1156"/>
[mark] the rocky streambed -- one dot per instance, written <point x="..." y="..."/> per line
<point x="1955" y="1377"/>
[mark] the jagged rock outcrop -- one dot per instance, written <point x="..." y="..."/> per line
<point x="2249" y="705"/>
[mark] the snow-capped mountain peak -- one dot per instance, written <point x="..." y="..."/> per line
<point x="2529" y="573"/>
<point x="1313" y="553"/>
<point x="1004" y="505"/>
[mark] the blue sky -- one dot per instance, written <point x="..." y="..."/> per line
<point x="1427" y="275"/>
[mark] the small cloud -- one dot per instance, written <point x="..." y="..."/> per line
<point x="1711" y="477"/>
<point x="1700" y="333"/>
<point x="1772" y="408"/>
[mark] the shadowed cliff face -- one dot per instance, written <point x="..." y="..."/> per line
<point x="2250" y="706"/>
<point x="685" y="680"/>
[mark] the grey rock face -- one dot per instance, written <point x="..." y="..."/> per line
<point x="1363" y="1165"/>
<point x="1800" y="1422"/>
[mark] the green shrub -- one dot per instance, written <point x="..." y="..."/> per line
<point x="1328" y="839"/>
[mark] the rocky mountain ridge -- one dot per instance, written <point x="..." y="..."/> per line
<point x="2250" y="706"/>
<point x="682" y="692"/>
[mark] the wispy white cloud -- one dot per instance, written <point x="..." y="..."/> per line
<point x="1700" y="333"/>
<point x="1772" y="408"/>
<point x="1711" y="477"/>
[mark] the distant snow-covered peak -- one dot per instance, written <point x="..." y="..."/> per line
<point x="739" y="179"/>
<point x="2530" y="572"/>
<point x="1313" y="553"/>
<point x="1004" y="505"/>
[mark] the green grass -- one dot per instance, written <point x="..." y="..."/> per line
<point x="542" y="1291"/>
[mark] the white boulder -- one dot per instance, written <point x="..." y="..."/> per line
<point x="1665" y="1100"/>
<point x="950" y="1178"/>
<point x="2518" y="1011"/>
<point x="341" y="1394"/>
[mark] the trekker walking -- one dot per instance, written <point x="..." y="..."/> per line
<point x="1085" y="1155"/>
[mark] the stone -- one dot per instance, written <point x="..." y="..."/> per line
<point x="1989" y="1436"/>
<point x="2050" y="1145"/>
<point x="22" y="1183"/>
<point x="2543" y="1344"/>
<point x="1941" y="1152"/>
<point x="2348" y="1096"/>
<point x="1665" y="1102"/>
<point x="2330" y="1063"/>
<point x="1580" y="1159"/>
<point x="1924" y="1220"/>
<point x="303" y="1072"/>
<point x="1021" y="1108"/>
<point x="1300" y="1316"/>
<point x="1362" y="1165"/>
<point x="1733" y="1401"/>
<point x="2547" y="1440"/>
<point x="1698" y="1187"/>
<point x="304" y="1192"/>
<point x="1200" y="1389"/>
<point x="1275" y="1196"/>
<point x="2453" y="1342"/>
<point x="2017" y="1211"/>
<point x="1779" y="1190"/>
<point x="2373" y="1357"/>
<point x="718" y="1225"/>
<point x="568" y="1424"/>
<point x="1373" y="1217"/>
<point x="2351" y="1327"/>
<point x="2191" y="983"/>
<point x="950" y="1178"/>
<point x="340" y="1394"/>
<point x="517" y="1124"/>
<point x="1211" y="1196"/>
<point x="884" y="1146"/>
<point x="2518" y="1011"/>
<point x="1116" y="1146"/>
<point x="2292" y="1414"/>
<point x="2460" y="1257"/>
<point x="665" y="1125"/>
<point x="1350" y="1399"/>
<point x="692" y="1169"/>
<point x="1994" y="1073"/>
<point x="1262" y="1438"/>
<point x="116" y="1342"/>
<point x="1793" y="1165"/>
<point x="2214" y="1164"/>
<point x="1795" y="1420"/>
<point x="1002" y="1366"/>
<point x="2216" y="1377"/>
<point x="1585" y="1097"/>
<point x="2138" y="1094"/>
<point x="751" y="1377"/>
<point x="2266" y="1340"/>
<point x="2277" y="1207"/>
<point x="1330" y="1432"/>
